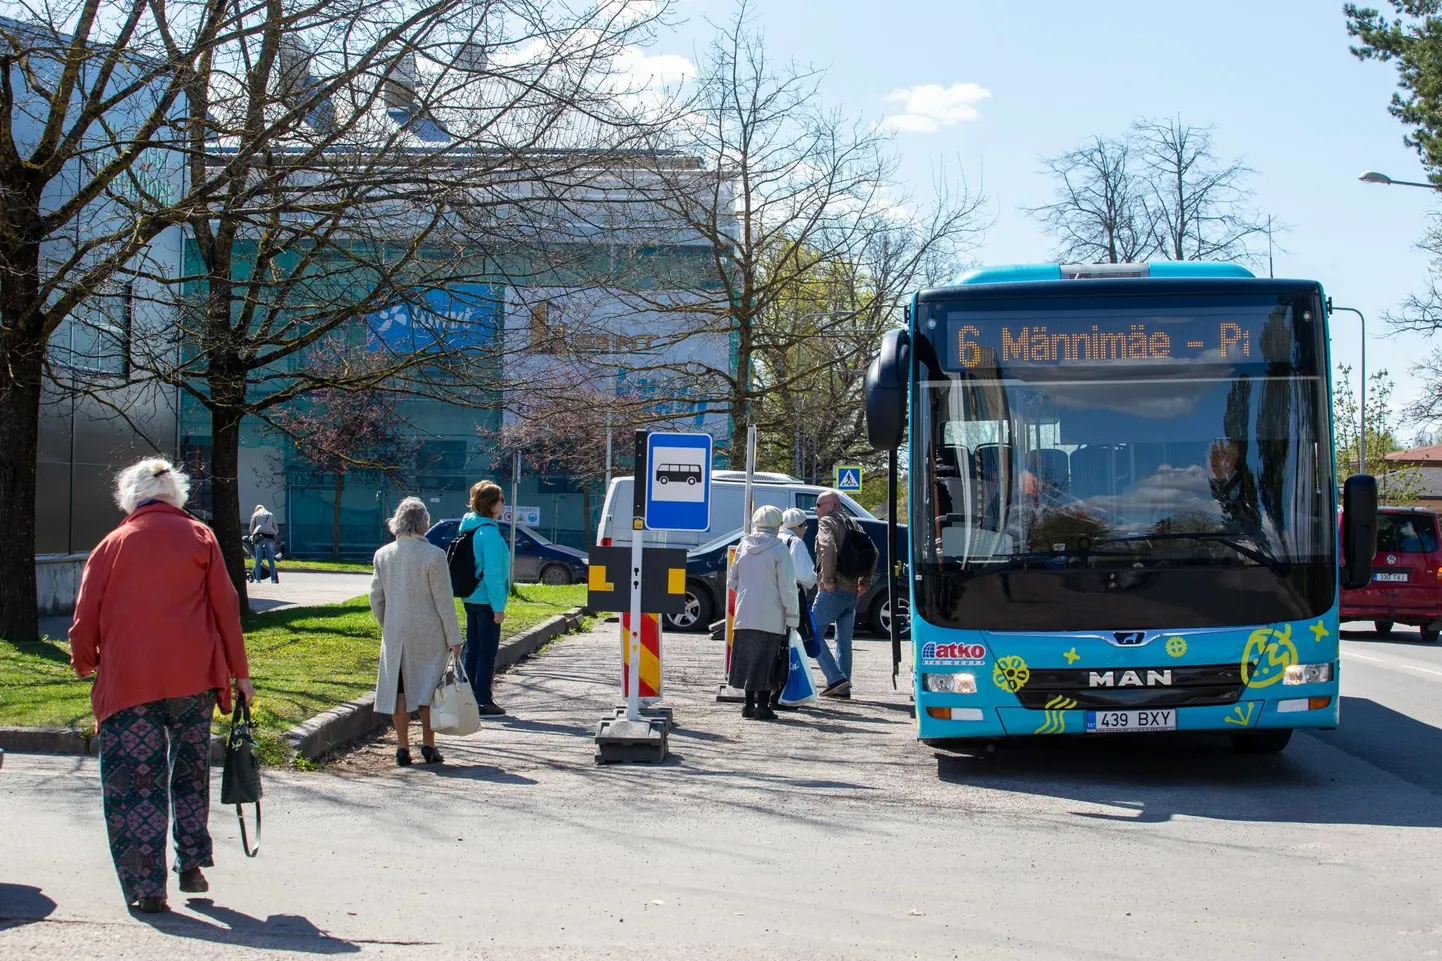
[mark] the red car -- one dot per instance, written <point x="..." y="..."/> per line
<point x="1406" y="583"/>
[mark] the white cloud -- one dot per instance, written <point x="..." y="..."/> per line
<point x="930" y="106"/>
<point x="661" y="70"/>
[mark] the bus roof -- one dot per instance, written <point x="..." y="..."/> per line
<point x="1026" y="273"/>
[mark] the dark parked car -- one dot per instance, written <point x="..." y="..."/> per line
<point x="706" y="582"/>
<point x="537" y="559"/>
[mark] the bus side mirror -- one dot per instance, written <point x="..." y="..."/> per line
<point x="886" y="383"/>
<point x="1359" y="530"/>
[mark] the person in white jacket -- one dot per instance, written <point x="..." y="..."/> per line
<point x="793" y="535"/>
<point x="764" y="580"/>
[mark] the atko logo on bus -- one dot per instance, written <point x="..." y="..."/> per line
<point x="969" y="655"/>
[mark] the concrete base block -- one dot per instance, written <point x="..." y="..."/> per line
<point x="619" y="741"/>
<point x="650" y="713"/>
<point x="726" y="694"/>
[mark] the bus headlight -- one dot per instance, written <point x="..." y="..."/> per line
<point x="949" y="683"/>
<point x="1307" y="673"/>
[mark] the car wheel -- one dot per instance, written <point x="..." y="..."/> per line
<point x="1430" y="634"/>
<point x="696" y="616"/>
<point x="881" y="617"/>
<point x="1383" y="628"/>
<point x="1261" y="742"/>
<point x="555" y="575"/>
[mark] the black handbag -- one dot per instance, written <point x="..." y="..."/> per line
<point x="240" y="776"/>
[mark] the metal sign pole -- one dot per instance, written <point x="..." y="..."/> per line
<point x="638" y="535"/>
<point x="515" y="514"/>
<point x="747" y="508"/>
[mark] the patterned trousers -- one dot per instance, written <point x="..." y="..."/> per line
<point x="155" y="759"/>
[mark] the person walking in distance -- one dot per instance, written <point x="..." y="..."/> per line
<point x="411" y="599"/>
<point x="263" y="533"/>
<point x="157" y="622"/>
<point x="765" y="584"/>
<point x="842" y="574"/>
<point x="486" y="605"/>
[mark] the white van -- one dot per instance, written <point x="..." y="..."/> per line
<point x="728" y="494"/>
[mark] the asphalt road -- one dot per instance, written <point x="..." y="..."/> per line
<point x="830" y="834"/>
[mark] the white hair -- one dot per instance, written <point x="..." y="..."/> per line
<point x="153" y="479"/>
<point x="767" y="518"/>
<point x="411" y="518"/>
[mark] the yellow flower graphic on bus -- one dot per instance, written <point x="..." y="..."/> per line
<point x="1011" y="673"/>
<point x="1267" y="656"/>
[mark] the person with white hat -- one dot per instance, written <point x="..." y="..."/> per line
<point x="764" y="579"/>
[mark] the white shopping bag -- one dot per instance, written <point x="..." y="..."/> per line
<point x="453" y="705"/>
<point x="800" y="688"/>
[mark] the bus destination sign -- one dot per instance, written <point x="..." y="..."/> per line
<point x="1062" y="338"/>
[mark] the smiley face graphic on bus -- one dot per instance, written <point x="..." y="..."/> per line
<point x="1267" y="656"/>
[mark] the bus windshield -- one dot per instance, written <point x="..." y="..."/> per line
<point x="1067" y="473"/>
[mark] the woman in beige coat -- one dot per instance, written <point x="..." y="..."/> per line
<point x="411" y="598"/>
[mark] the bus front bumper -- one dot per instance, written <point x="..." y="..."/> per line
<point x="1307" y="709"/>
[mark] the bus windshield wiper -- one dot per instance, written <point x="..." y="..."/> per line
<point x="1015" y="561"/>
<point x="1274" y="564"/>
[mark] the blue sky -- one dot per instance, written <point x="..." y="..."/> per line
<point x="1274" y="76"/>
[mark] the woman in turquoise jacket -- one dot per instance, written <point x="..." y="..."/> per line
<point x="486" y="607"/>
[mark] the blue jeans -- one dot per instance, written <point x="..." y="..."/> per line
<point x="265" y="548"/>
<point x="839" y="608"/>
<point x="478" y="656"/>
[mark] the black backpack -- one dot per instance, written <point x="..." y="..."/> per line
<point x="856" y="557"/>
<point x="461" y="558"/>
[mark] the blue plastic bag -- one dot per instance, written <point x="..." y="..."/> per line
<point x="800" y="688"/>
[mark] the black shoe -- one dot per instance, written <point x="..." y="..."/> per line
<point x="150" y="905"/>
<point x="403" y="757"/>
<point x="492" y="710"/>
<point x="834" y="690"/>
<point x="431" y="755"/>
<point x="764" y="713"/>
<point x="193" y="882"/>
<point x="749" y="711"/>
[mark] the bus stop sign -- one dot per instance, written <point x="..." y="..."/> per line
<point x="678" y="482"/>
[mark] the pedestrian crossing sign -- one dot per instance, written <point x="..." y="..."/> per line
<point x="848" y="478"/>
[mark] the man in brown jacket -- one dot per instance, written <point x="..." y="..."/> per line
<point x="837" y="596"/>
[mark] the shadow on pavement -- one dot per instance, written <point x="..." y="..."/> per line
<point x="1198" y="775"/>
<point x="23" y="904"/>
<point x="288" y="932"/>
<point x="478" y="772"/>
<point x="1397" y="743"/>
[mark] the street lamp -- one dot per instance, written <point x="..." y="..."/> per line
<point x="1373" y="177"/>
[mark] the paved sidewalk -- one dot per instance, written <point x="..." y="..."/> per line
<point x="829" y="834"/>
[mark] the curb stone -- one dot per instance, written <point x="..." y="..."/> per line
<point x="68" y="740"/>
<point x="354" y="720"/>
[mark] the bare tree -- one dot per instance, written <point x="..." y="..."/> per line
<point x="1101" y="212"/>
<point x="786" y="190"/>
<point x="1198" y="205"/>
<point x="89" y="94"/>
<point x="809" y="371"/>
<point x="340" y="432"/>
<point x="374" y="173"/>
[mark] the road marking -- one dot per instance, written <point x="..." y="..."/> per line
<point x="1399" y="665"/>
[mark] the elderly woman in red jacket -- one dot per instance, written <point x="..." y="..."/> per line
<point x="158" y="622"/>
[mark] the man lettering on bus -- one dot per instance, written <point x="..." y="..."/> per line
<point x="836" y="600"/>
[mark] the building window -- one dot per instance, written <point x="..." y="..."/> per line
<point x="543" y="338"/>
<point x="96" y="338"/>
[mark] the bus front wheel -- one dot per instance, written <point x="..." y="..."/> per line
<point x="1261" y="742"/>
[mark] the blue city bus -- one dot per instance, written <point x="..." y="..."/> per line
<point x="1122" y="502"/>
